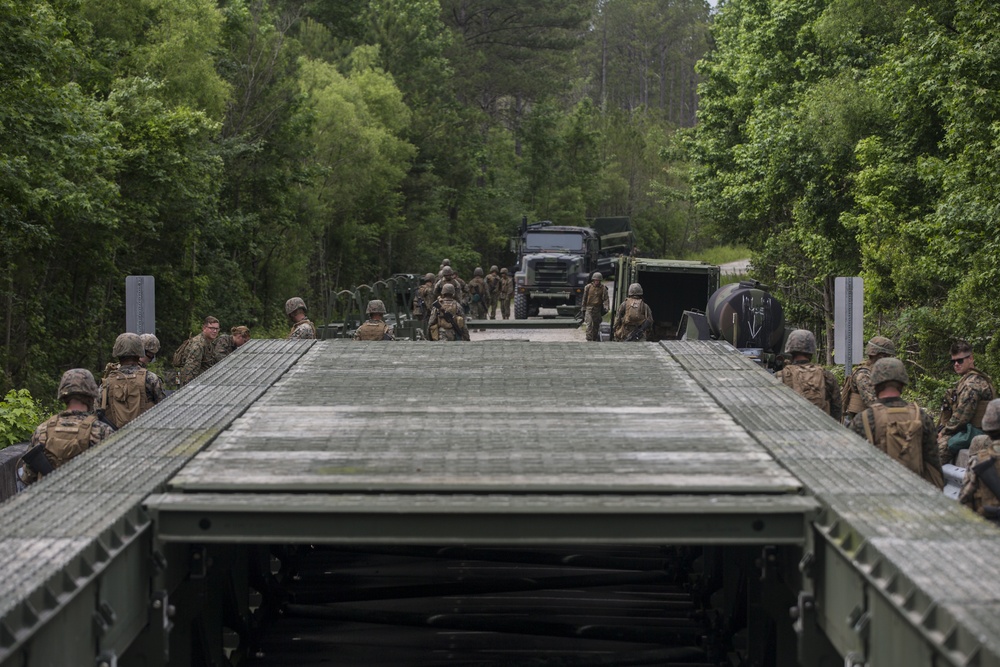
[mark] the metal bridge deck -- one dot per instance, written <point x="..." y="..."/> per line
<point x="343" y="442"/>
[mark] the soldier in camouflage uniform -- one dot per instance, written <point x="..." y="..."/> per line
<point x="199" y="353"/>
<point x="596" y="302"/>
<point x="422" y="302"/>
<point x="67" y="434"/>
<point x="506" y="292"/>
<point x="809" y="380"/>
<point x="444" y="263"/>
<point x="478" y="294"/>
<point x="902" y="430"/>
<point x="633" y="315"/>
<point x="965" y="403"/>
<point x="448" y="276"/>
<point x="447" y="320"/>
<point x="493" y="290"/>
<point x="375" y="327"/>
<point x="302" y="328"/>
<point x="228" y="343"/>
<point x="980" y="486"/>
<point x="131" y="389"/>
<point x="150" y="346"/>
<point x="858" y="391"/>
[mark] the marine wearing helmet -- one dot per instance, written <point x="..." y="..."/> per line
<point x="811" y="381"/>
<point x="302" y="328"/>
<point x="374" y="328"/>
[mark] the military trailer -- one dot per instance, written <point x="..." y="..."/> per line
<point x="670" y="287"/>
<point x="555" y="262"/>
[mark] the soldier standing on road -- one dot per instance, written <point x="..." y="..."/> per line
<point x="596" y="302"/>
<point x="197" y="354"/>
<point x="449" y="277"/>
<point x="447" y="320"/>
<point x="506" y="292"/>
<point x="493" y="290"/>
<point x="302" y="328"/>
<point x="228" y="343"/>
<point x="964" y="404"/>
<point x="902" y="430"/>
<point x="129" y="390"/>
<point x="858" y="392"/>
<point x="67" y="434"/>
<point x="807" y="379"/>
<point x="634" y="317"/>
<point x="478" y="294"/>
<point x="444" y="263"/>
<point x="374" y="327"/>
<point x="981" y="486"/>
<point x="422" y="302"/>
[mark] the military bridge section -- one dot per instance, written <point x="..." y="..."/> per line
<point x="492" y="503"/>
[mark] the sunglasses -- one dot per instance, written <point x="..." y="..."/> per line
<point x="960" y="360"/>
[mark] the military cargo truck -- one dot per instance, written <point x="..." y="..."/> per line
<point x="670" y="287"/>
<point x="555" y="262"/>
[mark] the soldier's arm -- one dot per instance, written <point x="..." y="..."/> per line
<point x="607" y="300"/>
<point x="967" y="495"/>
<point x="965" y="407"/>
<point x="154" y="388"/>
<point x="858" y="426"/>
<point x="833" y="395"/>
<point x="99" y="432"/>
<point x="928" y="444"/>
<point x="863" y="382"/>
<point x="192" y="362"/>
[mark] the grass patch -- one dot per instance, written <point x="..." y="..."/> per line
<point x="722" y="254"/>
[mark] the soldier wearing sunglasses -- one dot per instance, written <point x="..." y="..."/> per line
<point x="964" y="404"/>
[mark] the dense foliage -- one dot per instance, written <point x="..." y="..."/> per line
<point x="844" y="137"/>
<point x="244" y="151"/>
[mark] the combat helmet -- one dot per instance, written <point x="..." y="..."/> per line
<point x="375" y="306"/>
<point x="294" y="304"/>
<point x="428" y="277"/>
<point x="447" y="271"/>
<point x="128" y="345"/>
<point x="635" y="289"/>
<point x="78" y="382"/>
<point x="802" y="341"/>
<point x="447" y="290"/>
<point x="597" y="276"/>
<point x="880" y="345"/>
<point x="889" y="369"/>
<point x="478" y="271"/>
<point x="991" y="420"/>
<point x="504" y="271"/>
<point x="445" y="262"/>
<point x="494" y="269"/>
<point x="150" y="343"/>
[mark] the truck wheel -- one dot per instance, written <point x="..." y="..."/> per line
<point x="520" y="307"/>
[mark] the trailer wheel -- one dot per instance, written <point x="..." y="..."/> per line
<point x="520" y="307"/>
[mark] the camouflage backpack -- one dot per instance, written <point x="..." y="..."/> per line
<point x="634" y="315"/>
<point x="181" y="352"/>
<point x="63" y="442"/>
<point x="897" y="432"/>
<point x="807" y="380"/>
<point x="123" y="397"/>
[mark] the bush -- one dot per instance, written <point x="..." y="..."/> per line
<point x="19" y="415"/>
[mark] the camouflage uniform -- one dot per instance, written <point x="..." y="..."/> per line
<point x="374" y="330"/>
<point x="506" y="291"/>
<point x="66" y="420"/>
<point x="225" y="344"/>
<point x="478" y="295"/>
<point x="422" y="302"/>
<point x="929" y="465"/>
<point x="493" y="291"/>
<point x="975" y="493"/>
<point x="596" y="302"/>
<point x="438" y="325"/>
<point x="450" y="277"/>
<point x="964" y="404"/>
<point x="858" y="392"/>
<point x="633" y="308"/>
<point x="198" y="358"/>
<point x="153" y="383"/>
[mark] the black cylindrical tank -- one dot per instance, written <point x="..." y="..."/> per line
<point x="747" y="316"/>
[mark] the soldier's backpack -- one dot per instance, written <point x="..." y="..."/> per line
<point x="897" y="431"/>
<point x="123" y="397"/>
<point x="807" y="380"/>
<point x="850" y="397"/>
<point x="181" y="352"/>
<point x="634" y="315"/>
<point x="63" y="442"/>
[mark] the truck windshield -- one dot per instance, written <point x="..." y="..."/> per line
<point x="547" y="241"/>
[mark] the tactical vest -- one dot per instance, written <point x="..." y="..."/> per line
<point x="951" y="398"/>
<point x="300" y="325"/>
<point x="850" y="397"/>
<point x="63" y="442"/>
<point x="372" y="330"/>
<point x="897" y="431"/>
<point x="123" y="397"/>
<point x="593" y="295"/>
<point x="492" y="283"/>
<point x="634" y="314"/>
<point x="809" y="382"/>
<point x="442" y="325"/>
